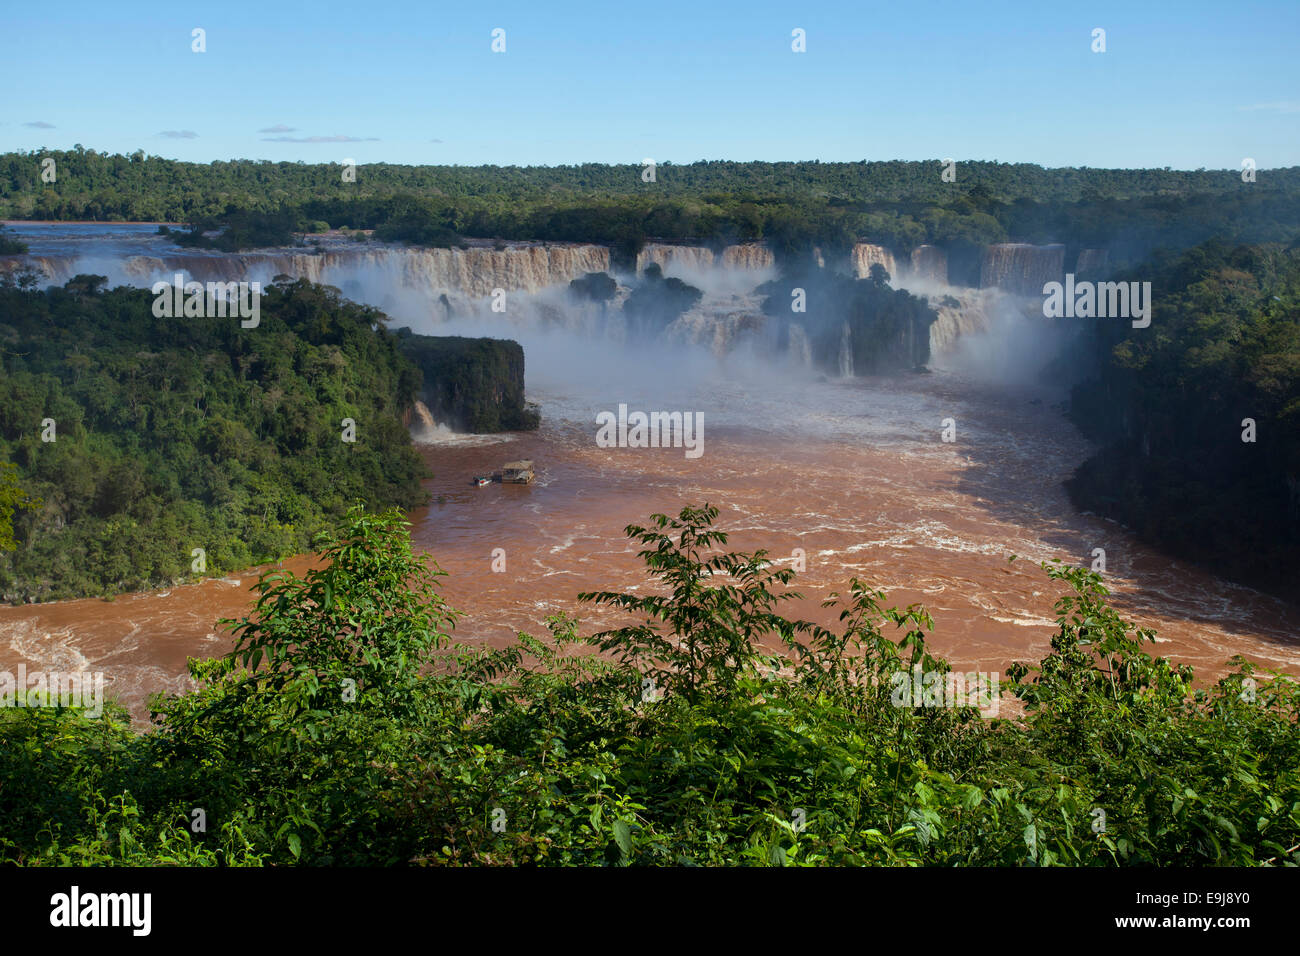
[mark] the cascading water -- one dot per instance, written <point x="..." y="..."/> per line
<point x="846" y="352"/>
<point x="799" y="349"/>
<point x="142" y="258"/>
<point x="929" y="264"/>
<point x="1021" y="268"/>
<point x="425" y="416"/>
<point x="666" y="256"/>
<point x="866" y="255"/>
<point x="449" y="291"/>
<point x="962" y="314"/>
<point x="426" y="430"/>
<point x="1092" y="262"/>
<point x="753" y="256"/>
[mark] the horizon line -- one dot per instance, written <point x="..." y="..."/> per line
<point x="635" y="164"/>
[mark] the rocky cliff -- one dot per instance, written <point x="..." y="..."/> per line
<point x="471" y="385"/>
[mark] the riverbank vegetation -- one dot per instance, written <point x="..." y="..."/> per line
<point x="348" y="728"/>
<point x="147" y="438"/>
<point x="1199" y="414"/>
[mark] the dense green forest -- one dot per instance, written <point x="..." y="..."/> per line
<point x="346" y="728"/>
<point x="146" y="438"/>
<point x="792" y="205"/>
<point x="1180" y="464"/>
<point x="154" y="189"/>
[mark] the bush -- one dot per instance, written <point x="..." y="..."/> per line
<point x="347" y="728"/>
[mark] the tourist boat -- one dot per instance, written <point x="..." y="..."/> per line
<point x="517" y="472"/>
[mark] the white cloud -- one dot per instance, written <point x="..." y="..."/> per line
<point x="320" y="139"/>
<point x="1282" y="106"/>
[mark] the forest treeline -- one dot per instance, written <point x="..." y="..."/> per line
<point x="1199" y="414"/>
<point x="346" y="727"/>
<point x="144" y="438"/>
<point x="791" y="205"/>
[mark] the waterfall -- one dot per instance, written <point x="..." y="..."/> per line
<point x="799" y="349"/>
<point x="754" y="256"/>
<point x="930" y="263"/>
<point x="426" y="417"/>
<point x="1092" y="262"/>
<point x="866" y="254"/>
<point x="1021" y="268"/>
<point x="719" y="323"/>
<point x="473" y="271"/>
<point x="962" y="312"/>
<point x="666" y="256"/>
<point x="431" y="287"/>
<point x="426" y="430"/>
<point x="846" y="352"/>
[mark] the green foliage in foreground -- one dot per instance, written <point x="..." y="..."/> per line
<point x="346" y="728"/>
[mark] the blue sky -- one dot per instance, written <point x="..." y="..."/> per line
<point x="1184" y="84"/>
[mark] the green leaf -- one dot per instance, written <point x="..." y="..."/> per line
<point x="1031" y="840"/>
<point x="623" y="837"/>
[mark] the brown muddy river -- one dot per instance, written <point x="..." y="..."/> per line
<point x="852" y="472"/>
